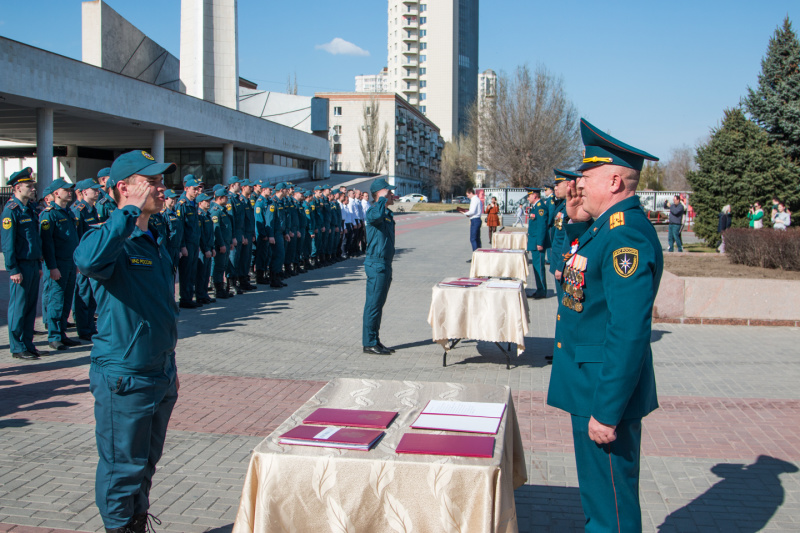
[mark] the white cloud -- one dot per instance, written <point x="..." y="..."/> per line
<point x="339" y="46"/>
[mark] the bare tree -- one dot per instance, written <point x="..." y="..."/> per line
<point x="681" y="162"/>
<point x="531" y="128"/>
<point x="459" y="161"/>
<point x="372" y="141"/>
<point x="291" y="88"/>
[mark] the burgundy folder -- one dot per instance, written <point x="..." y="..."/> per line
<point x="458" y="445"/>
<point x="349" y="438"/>
<point x="325" y="416"/>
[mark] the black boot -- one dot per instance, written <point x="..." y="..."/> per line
<point x="261" y="278"/>
<point x="274" y="282"/>
<point x="220" y="291"/>
<point x="249" y="286"/>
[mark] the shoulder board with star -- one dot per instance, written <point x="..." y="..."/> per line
<point x="616" y="220"/>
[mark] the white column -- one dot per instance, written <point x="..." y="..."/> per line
<point x="227" y="161"/>
<point x="3" y="179"/>
<point x="157" y="148"/>
<point x="44" y="148"/>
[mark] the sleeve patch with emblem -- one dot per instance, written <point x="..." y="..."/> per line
<point x="258" y="210"/>
<point x="617" y="219"/>
<point x="272" y="208"/>
<point x="45" y="224"/>
<point x="625" y="261"/>
<point x="541" y="212"/>
<point x="215" y="219"/>
<point x="7" y="223"/>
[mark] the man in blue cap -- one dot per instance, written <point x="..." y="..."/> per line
<point x="264" y="237"/>
<point x="207" y="250"/>
<point x="318" y="246"/>
<point x="378" y="264"/>
<point x="223" y="238"/>
<point x="186" y="214"/>
<point x="245" y="265"/>
<point x="276" y="219"/>
<point x="177" y="247"/>
<point x="59" y="234"/>
<point x="106" y="204"/>
<point x="538" y="240"/>
<point x="603" y="366"/>
<point x="309" y="211"/>
<point x="22" y="248"/>
<point x="84" y="304"/>
<point x="559" y="224"/>
<point x="235" y="207"/>
<point x="132" y="377"/>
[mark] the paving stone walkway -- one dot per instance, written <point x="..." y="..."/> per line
<point x="721" y="453"/>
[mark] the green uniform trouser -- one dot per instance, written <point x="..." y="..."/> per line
<point x="246" y="258"/>
<point x="290" y="249"/>
<point x="203" y="275"/>
<point x="307" y="243"/>
<point x="299" y="250"/>
<point x="609" y="477"/>
<point x="379" y="278"/>
<point x="84" y="306"/>
<point x="59" y="299"/>
<point x="22" y="307"/>
<point x="187" y="272"/>
<point x="262" y="254"/>
<point x="278" y="253"/>
<point x="219" y="265"/>
<point x="318" y="246"/>
<point x="539" y="272"/>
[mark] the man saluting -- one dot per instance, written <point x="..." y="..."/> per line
<point x="602" y="363"/>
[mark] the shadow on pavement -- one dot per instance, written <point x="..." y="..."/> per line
<point x="222" y="529"/>
<point x="745" y="500"/>
<point x="42" y="366"/>
<point x="19" y="398"/>
<point x="548" y="508"/>
<point x="656" y="334"/>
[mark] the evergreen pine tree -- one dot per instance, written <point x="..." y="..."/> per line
<point x="739" y="166"/>
<point x="775" y="103"/>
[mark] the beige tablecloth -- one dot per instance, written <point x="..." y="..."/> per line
<point x="499" y="264"/>
<point x="300" y="488"/>
<point x="479" y="313"/>
<point x="513" y="240"/>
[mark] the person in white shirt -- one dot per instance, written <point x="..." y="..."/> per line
<point x="474" y="215"/>
<point x="364" y="207"/>
<point x="358" y="221"/>
<point x="349" y="219"/>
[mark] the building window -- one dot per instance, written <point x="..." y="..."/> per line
<point x="423" y="109"/>
<point x="423" y="46"/>
<point x="423" y="83"/>
<point x="423" y="33"/>
<point x="423" y="71"/>
<point x="337" y="111"/>
<point x="423" y="58"/>
<point x="423" y="7"/>
<point x="337" y="130"/>
<point x="337" y="148"/>
<point x="423" y="20"/>
<point x="423" y="96"/>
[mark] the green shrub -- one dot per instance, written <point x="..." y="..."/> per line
<point x="767" y="248"/>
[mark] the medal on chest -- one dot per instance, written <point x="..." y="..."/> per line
<point x="574" y="280"/>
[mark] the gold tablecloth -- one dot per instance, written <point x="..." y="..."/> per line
<point x="301" y="488"/>
<point x="512" y="240"/>
<point x="500" y="264"/>
<point x="479" y="313"/>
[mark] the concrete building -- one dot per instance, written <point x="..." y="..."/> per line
<point x="414" y="144"/>
<point x="433" y="58"/>
<point x="128" y="93"/>
<point x="373" y="83"/>
<point x="487" y="95"/>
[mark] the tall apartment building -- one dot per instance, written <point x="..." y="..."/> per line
<point x="433" y="58"/>
<point x="373" y="83"/>
<point x="487" y="95"/>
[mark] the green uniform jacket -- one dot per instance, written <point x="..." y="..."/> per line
<point x="310" y="210"/>
<point x="158" y="222"/>
<point x="602" y="362"/>
<point x="263" y="229"/>
<point x="249" y="217"/>
<point x="537" y="226"/>
<point x="560" y="221"/>
<point x="206" y="231"/>
<point x="223" y="226"/>
<point x="292" y="215"/>
<point x="59" y="235"/>
<point x="380" y="232"/>
<point x="275" y="219"/>
<point x="187" y="213"/>
<point x="105" y="206"/>
<point x="21" y="241"/>
<point x="85" y="216"/>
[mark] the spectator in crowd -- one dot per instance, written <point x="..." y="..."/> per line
<point x="492" y="216"/>
<point x="519" y="222"/>
<point x="780" y="218"/>
<point x="474" y="214"/>
<point x="724" y="223"/>
<point x="676" y="212"/>
<point x="755" y="216"/>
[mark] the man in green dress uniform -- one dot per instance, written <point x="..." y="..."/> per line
<point x="538" y="240"/>
<point x="603" y="366"/>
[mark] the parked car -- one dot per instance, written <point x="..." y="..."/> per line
<point x="416" y="197"/>
<point x="460" y="200"/>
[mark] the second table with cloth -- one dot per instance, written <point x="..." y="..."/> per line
<point x="499" y="263"/>
<point x="512" y="240"/>
<point x="479" y="313"/>
<point x="301" y="488"/>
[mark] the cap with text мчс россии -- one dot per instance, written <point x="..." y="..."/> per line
<point x="380" y="184"/>
<point x="137" y="162"/>
<point x="603" y="149"/>
<point x="87" y="184"/>
<point x="21" y="176"/>
<point x="60" y="183"/>
<point x="565" y="175"/>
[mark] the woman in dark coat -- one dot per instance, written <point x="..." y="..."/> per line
<point x="492" y="217"/>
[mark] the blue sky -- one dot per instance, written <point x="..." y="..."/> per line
<point x="657" y="74"/>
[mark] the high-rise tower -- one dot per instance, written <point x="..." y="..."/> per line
<point x="433" y="58"/>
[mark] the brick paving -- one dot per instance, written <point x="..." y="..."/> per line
<point x="719" y="455"/>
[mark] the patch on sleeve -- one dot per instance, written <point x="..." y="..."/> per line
<point x="45" y="224"/>
<point x="625" y="261"/>
<point x="272" y="209"/>
<point x="541" y="212"/>
<point x="7" y="223"/>
<point x="229" y="207"/>
<point x="215" y="219"/>
<point x="617" y="219"/>
<point x="258" y="210"/>
<point x="139" y="261"/>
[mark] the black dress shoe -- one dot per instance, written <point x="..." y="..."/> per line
<point x="39" y="333"/>
<point x="376" y="350"/>
<point x="548" y="357"/>
<point x="36" y="352"/>
<point x="87" y="338"/>
<point x="70" y="324"/>
<point x="69" y="342"/>
<point x="58" y="345"/>
<point x="187" y="305"/>
<point x="469" y="260"/>
<point x="25" y="355"/>
<point x="385" y="348"/>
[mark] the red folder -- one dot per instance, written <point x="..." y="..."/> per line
<point x="349" y="438"/>
<point x="457" y="445"/>
<point x="325" y="416"/>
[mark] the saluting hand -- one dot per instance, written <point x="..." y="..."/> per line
<point x="138" y="194"/>
<point x="574" y="203"/>
<point x="601" y="433"/>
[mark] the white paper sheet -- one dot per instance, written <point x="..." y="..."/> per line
<point x="468" y="424"/>
<point x="503" y="284"/>
<point x="440" y="407"/>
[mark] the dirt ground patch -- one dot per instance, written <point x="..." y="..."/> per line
<point x="696" y="265"/>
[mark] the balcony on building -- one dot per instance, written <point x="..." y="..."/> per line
<point x="401" y="157"/>
<point x="410" y="36"/>
<point x="410" y="88"/>
<point x="401" y="138"/>
<point x="413" y="50"/>
<point x="411" y="10"/>
<point x="409" y="62"/>
<point x="409" y="73"/>
<point x="410" y="23"/>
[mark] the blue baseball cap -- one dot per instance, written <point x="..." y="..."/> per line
<point x="380" y="184"/>
<point x="137" y="162"/>
<point x="21" y="176"/>
<point x="234" y="179"/>
<point x="87" y="184"/>
<point x="218" y="192"/>
<point x="60" y="183"/>
<point x="190" y="182"/>
<point x="280" y="186"/>
<point x="169" y="193"/>
<point x="104" y="172"/>
<point x="202" y="197"/>
<point x="603" y="149"/>
<point x="318" y="188"/>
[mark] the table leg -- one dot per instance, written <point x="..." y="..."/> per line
<point x="453" y="343"/>
<point x="508" y="358"/>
